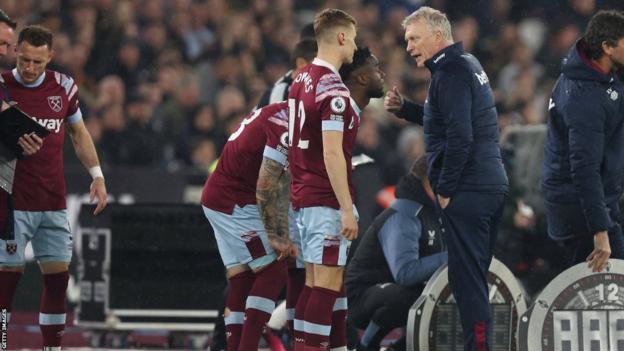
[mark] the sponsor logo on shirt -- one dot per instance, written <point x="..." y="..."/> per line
<point x="52" y="124"/>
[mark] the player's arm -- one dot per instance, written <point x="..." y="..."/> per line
<point x="85" y="151"/>
<point x="336" y="167"/>
<point x="272" y="197"/>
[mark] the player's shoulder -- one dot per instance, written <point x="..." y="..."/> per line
<point x="277" y="113"/>
<point x="62" y="80"/>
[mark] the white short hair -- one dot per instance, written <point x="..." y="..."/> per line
<point x="435" y="20"/>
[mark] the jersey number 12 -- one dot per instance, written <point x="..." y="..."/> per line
<point x="293" y="111"/>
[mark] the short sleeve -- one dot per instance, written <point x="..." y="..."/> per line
<point x="332" y="97"/>
<point x="71" y="90"/>
<point x="276" y="129"/>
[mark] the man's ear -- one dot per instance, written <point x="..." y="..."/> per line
<point x="341" y="38"/>
<point x="362" y="79"/>
<point x="607" y="48"/>
<point x="51" y="56"/>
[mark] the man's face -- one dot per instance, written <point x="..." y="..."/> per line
<point x="32" y="60"/>
<point x="6" y="38"/>
<point x="421" y="42"/>
<point x="617" y="54"/>
<point x="375" y="77"/>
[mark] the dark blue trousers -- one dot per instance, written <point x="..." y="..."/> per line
<point x="471" y="224"/>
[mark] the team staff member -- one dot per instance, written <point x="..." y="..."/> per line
<point x="397" y="254"/>
<point x="464" y="162"/>
<point x="584" y="150"/>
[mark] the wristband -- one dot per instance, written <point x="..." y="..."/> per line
<point x="96" y="172"/>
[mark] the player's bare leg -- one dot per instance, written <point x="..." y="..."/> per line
<point x="328" y="277"/>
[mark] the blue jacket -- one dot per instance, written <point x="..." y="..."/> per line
<point x="461" y="133"/>
<point x="400" y="240"/>
<point x="404" y="244"/>
<point x="584" y="152"/>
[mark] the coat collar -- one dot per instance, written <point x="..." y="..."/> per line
<point x="441" y="56"/>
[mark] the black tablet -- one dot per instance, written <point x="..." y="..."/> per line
<point x="13" y="124"/>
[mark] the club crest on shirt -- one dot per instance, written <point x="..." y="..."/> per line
<point x="11" y="248"/>
<point x="55" y="103"/>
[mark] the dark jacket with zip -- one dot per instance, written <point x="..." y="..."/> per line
<point x="461" y="132"/>
<point x="583" y="166"/>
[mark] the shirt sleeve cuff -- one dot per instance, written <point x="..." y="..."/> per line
<point x="274" y="155"/>
<point x="76" y="117"/>
<point x="334" y="126"/>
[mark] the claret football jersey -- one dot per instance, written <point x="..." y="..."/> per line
<point x="263" y="133"/>
<point x="52" y="100"/>
<point x="318" y="101"/>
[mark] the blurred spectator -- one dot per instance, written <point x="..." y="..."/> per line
<point x="203" y="154"/>
<point x="142" y="144"/>
<point x="203" y="124"/>
<point x="174" y="113"/>
<point x="229" y="99"/>
<point x="111" y="92"/>
<point x="128" y="64"/>
<point x="466" y="30"/>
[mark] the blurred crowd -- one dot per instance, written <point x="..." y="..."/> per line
<point x="164" y="82"/>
